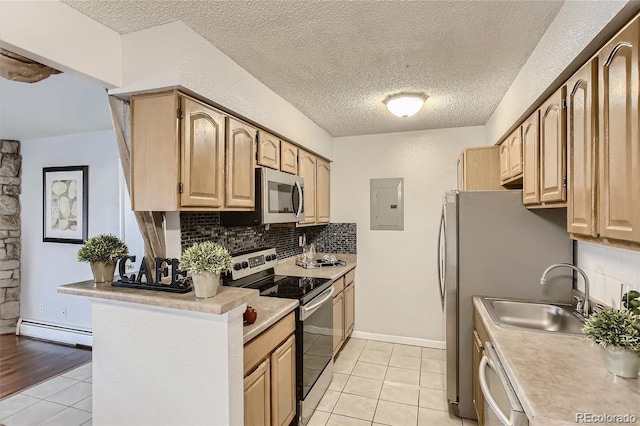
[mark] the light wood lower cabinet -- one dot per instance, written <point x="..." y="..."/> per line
<point x="349" y="307"/>
<point x="478" y="397"/>
<point x="270" y="375"/>
<point x="338" y="321"/>
<point x="257" y="396"/>
<point x="344" y="301"/>
<point x="283" y="383"/>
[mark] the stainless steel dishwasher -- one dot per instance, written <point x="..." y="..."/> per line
<point x="501" y="406"/>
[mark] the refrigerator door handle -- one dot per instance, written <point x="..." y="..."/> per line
<point x="442" y="253"/>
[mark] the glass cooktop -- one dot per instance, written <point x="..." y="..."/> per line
<point x="301" y="288"/>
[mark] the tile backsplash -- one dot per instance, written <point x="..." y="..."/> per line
<point x="611" y="271"/>
<point x="331" y="238"/>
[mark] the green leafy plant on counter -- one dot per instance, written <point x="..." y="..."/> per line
<point x="103" y="248"/>
<point x="206" y="257"/>
<point x="631" y="301"/>
<point x="614" y="328"/>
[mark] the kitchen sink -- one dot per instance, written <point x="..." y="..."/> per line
<point x="533" y="316"/>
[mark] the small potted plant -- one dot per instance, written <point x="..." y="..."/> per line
<point x="102" y="252"/>
<point x="618" y="332"/>
<point x="206" y="261"/>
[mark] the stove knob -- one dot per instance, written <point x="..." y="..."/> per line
<point x="237" y="267"/>
<point x="245" y="265"/>
<point x="270" y="258"/>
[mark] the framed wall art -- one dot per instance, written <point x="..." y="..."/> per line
<point x="66" y="204"/>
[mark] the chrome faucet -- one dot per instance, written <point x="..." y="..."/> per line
<point x="580" y="310"/>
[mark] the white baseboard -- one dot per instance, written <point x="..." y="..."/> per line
<point x="413" y="341"/>
<point x="54" y="332"/>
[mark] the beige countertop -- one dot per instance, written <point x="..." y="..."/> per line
<point x="556" y="376"/>
<point x="227" y="298"/>
<point x="270" y="311"/>
<point x="288" y="267"/>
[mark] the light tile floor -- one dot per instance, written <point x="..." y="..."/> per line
<point x="64" y="400"/>
<point x="374" y="383"/>
<point x="377" y="383"/>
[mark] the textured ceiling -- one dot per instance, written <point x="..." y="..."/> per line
<point x="337" y="60"/>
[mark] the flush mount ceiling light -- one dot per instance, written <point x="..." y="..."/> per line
<point x="405" y="104"/>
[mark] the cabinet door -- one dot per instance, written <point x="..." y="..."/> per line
<point x="288" y="157"/>
<point x="619" y="160"/>
<point x="323" y="188"/>
<point x="478" y="397"/>
<point x="203" y="136"/>
<point x="349" y="308"/>
<point x="240" y="165"/>
<point x="283" y="383"/>
<point x="307" y="170"/>
<point x="504" y="160"/>
<point x="553" y="149"/>
<point x="268" y="150"/>
<point x="257" y="396"/>
<point x="338" y="321"/>
<point x="515" y="153"/>
<point x="531" y="166"/>
<point x="581" y="146"/>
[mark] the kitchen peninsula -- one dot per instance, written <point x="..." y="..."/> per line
<point x="171" y="358"/>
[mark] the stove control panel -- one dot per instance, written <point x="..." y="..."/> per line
<point x="247" y="263"/>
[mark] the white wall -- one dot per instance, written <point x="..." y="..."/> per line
<point x="611" y="271"/>
<point x="575" y="26"/>
<point x="45" y="266"/>
<point x="156" y="57"/>
<point x="397" y="278"/>
<point x="59" y="36"/>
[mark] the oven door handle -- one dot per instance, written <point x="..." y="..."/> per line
<point x="307" y="311"/>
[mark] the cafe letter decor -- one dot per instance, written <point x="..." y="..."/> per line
<point x="163" y="269"/>
<point x="66" y="203"/>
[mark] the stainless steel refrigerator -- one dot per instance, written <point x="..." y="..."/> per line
<point x="491" y="245"/>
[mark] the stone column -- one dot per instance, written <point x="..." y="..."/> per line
<point x="10" y="165"/>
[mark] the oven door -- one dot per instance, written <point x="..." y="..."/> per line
<point x="314" y="359"/>
<point x="282" y="197"/>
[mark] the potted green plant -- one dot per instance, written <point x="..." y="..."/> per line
<point x="206" y="261"/>
<point x="618" y="332"/>
<point x="631" y="301"/>
<point x="102" y="252"/>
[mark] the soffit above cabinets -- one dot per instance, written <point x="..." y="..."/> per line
<point x="337" y="61"/>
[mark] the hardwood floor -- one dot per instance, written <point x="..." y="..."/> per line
<point x="25" y="362"/>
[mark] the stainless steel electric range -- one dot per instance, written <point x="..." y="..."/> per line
<point x="314" y="320"/>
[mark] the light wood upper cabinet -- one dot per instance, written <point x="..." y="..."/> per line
<point x="504" y="161"/>
<point x="479" y="169"/>
<point x="581" y="147"/>
<point x="619" y="150"/>
<point x="240" y="165"/>
<point x="323" y="187"/>
<point x="257" y="396"/>
<point x="268" y="150"/>
<point x="307" y="170"/>
<point x="288" y="157"/>
<point x="283" y="384"/>
<point x="338" y="321"/>
<point x="186" y="155"/>
<point x="515" y="153"/>
<point x="531" y="153"/>
<point x="203" y="150"/>
<point x="349" y="308"/>
<point x="553" y="149"/>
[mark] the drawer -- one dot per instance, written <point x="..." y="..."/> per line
<point x="349" y="277"/>
<point x="338" y="286"/>
<point x="260" y="347"/>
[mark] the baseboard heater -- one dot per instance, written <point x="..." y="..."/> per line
<point x="54" y="332"/>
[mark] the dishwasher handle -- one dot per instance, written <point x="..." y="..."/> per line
<point x="482" y="376"/>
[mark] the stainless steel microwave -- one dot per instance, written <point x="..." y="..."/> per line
<point x="279" y="199"/>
